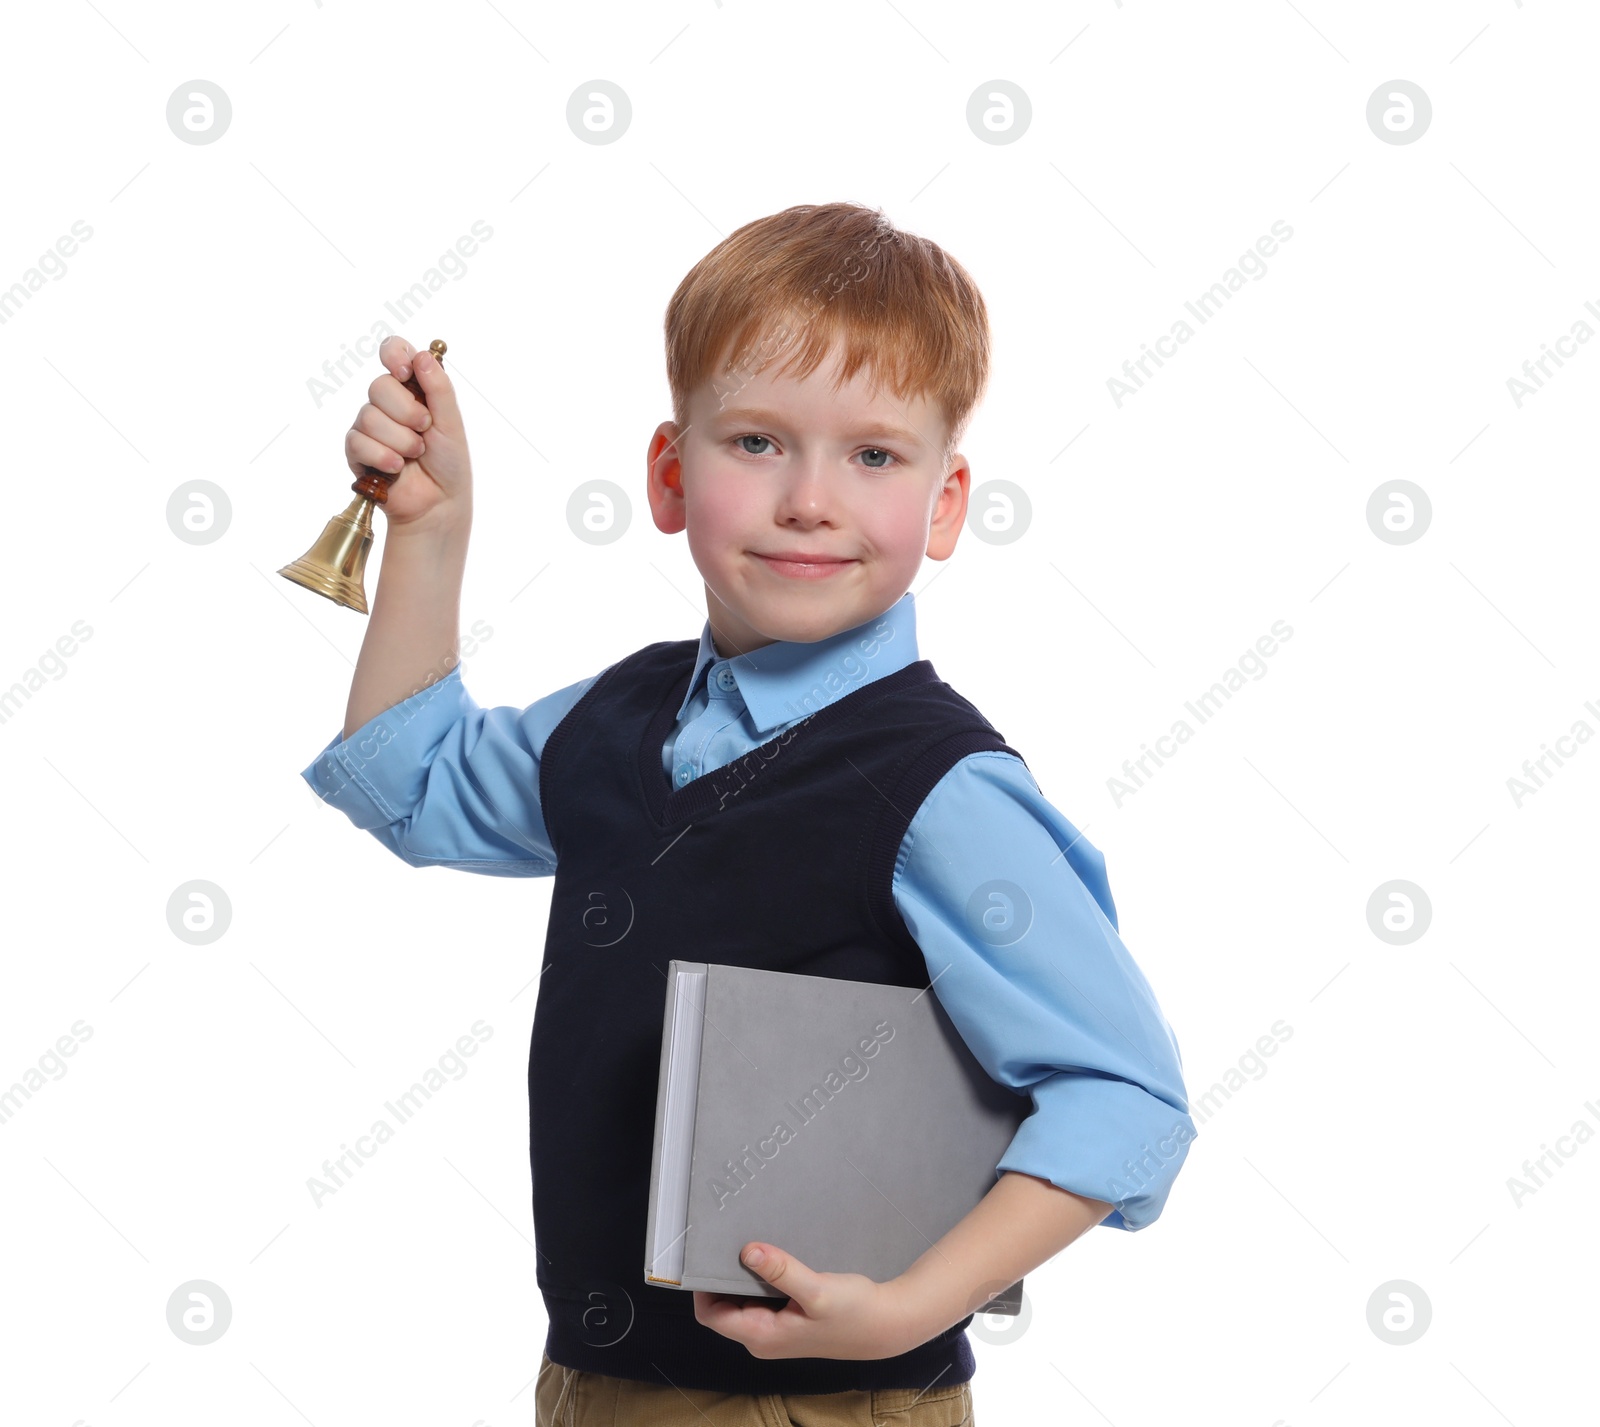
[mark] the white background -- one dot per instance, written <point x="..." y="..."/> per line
<point x="1230" y="492"/>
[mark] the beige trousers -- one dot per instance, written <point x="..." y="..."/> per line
<point x="567" y="1397"/>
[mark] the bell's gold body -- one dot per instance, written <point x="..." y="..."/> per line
<point x="335" y="564"/>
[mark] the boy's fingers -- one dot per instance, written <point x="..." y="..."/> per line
<point x="396" y="353"/>
<point x="363" y="453"/>
<point x="375" y="422"/>
<point x="440" y="393"/>
<point x="395" y="400"/>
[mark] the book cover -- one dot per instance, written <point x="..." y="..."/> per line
<point x="845" y="1121"/>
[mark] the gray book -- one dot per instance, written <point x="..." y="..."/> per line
<point x="846" y="1122"/>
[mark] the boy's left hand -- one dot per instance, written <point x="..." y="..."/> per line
<point x="828" y="1315"/>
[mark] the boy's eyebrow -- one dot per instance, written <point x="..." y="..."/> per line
<point x="760" y="416"/>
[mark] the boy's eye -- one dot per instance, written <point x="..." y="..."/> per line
<point x="748" y="451"/>
<point x="873" y="451"/>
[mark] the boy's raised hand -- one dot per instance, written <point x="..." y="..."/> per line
<point x="425" y="444"/>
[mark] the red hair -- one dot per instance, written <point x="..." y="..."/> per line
<point x="794" y="284"/>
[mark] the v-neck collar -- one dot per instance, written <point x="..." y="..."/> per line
<point x="668" y="805"/>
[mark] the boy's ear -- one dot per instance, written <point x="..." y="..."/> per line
<point x="664" y="479"/>
<point x="950" y="513"/>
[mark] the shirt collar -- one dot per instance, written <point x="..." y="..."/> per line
<point x="786" y="680"/>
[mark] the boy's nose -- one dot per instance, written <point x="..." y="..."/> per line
<point x="807" y="487"/>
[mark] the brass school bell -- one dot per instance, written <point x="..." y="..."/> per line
<point x="334" y="565"/>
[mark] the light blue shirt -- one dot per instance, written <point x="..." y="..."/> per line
<point x="1046" y="996"/>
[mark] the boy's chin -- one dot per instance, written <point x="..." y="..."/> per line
<point x="785" y="622"/>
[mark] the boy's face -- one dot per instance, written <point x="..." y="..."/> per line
<point x="769" y="466"/>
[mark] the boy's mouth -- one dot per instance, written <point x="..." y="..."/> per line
<point x="802" y="565"/>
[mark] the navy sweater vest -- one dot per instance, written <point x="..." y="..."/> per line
<point x="782" y="859"/>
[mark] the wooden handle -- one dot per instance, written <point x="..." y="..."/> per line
<point x="373" y="483"/>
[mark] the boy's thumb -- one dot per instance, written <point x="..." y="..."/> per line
<point x="438" y="391"/>
<point x="782" y="1270"/>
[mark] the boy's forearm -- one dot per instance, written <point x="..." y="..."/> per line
<point x="1022" y="1222"/>
<point x="414" y="627"/>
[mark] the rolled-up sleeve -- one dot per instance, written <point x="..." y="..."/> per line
<point x="442" y="782"/>
<point x="1010" y="905"/>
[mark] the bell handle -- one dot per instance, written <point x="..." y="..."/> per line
<point x="373" y="483"/>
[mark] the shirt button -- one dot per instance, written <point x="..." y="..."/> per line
<point x="725" y="679"/>
<point x="683" y="774"/>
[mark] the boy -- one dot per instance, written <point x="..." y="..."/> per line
<point x="795" y="791"/>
